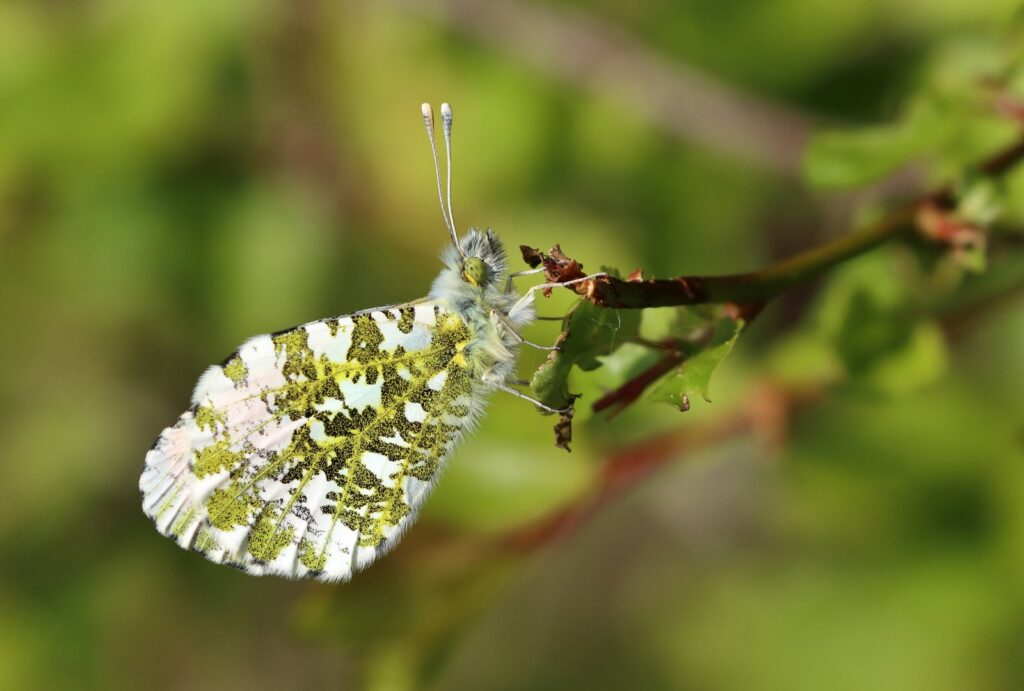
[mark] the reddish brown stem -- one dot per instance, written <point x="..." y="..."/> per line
<point x="632" y="389"/>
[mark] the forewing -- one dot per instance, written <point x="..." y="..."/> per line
<point x="308" y="452"/>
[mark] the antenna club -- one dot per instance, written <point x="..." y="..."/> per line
<point x="428" y="120"/>
<point x="446" y="119"/>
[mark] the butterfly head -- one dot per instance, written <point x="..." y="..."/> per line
<point x="480" y="259"/>
<point x="474" y="271"/>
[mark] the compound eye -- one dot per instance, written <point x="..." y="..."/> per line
<point x="474" y="271"/>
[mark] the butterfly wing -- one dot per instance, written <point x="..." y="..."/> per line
<point x="308" y="452"/>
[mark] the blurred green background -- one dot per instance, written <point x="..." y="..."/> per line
<point x="177" y="176"/>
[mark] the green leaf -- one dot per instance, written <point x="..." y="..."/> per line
<point x="589" y="332"/>
<point x="693" y="376"/>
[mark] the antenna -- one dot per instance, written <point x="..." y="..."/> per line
<point x="428" y="122"/>
<point x="446" y="127"/>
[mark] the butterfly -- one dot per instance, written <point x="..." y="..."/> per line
<point x="308" y="452"/>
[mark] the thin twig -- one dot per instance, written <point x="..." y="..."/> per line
<point x="617" y="399"/>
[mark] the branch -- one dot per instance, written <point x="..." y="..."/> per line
<point x="746" y="294"/>
<point x="754" y="289"/>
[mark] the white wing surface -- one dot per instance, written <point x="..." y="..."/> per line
<point x="308" y="452"/>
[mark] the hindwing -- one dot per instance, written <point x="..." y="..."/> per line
<point x="309" y="451"/>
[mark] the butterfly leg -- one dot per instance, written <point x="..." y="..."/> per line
<point x="526" y="397"/>
<point x="517" y="274"/>
<point x="518" y="336"/>
<point x="528" y="295"/>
